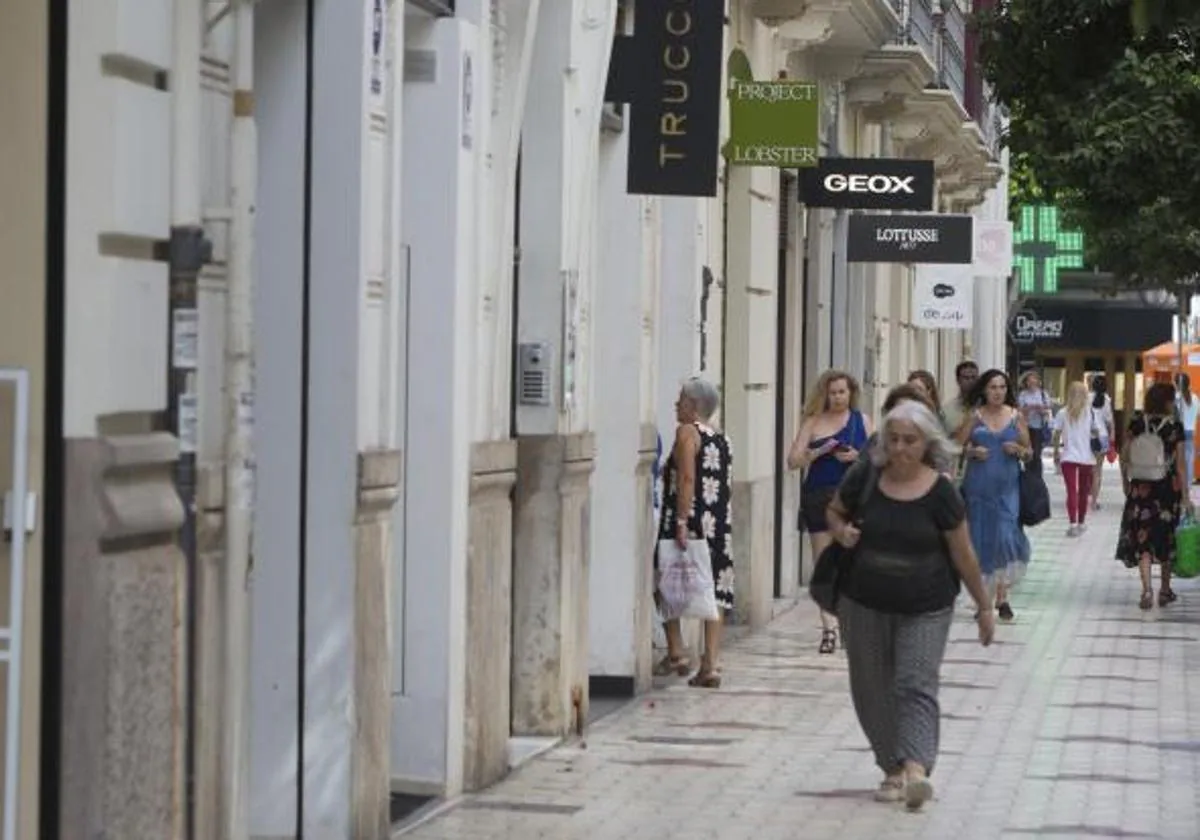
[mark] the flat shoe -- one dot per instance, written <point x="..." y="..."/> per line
<point x="890" y="790"/>
<point x="917" y="792"/>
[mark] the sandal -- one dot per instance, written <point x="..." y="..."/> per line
<point x="828" y="641"/>
<point x="670" y="666"/>
<point x="1166" y="596"/>
<point x="705" y="679"/>
<point x="890" y="789"/>
<point x="1147" y="600"/>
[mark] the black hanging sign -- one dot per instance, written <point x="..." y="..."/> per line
<point x="669" y="72"/>
<point x="917" y="238"/>
<point x="868" y="184"/>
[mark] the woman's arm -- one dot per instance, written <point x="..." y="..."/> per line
<point x="962" y="555"/>
<point x="799" y="456"/>
<point x="687" y="444"/>
<point x="1023" y="437"/>
<point x="1182" y="471"/>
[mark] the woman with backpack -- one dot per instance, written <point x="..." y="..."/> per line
<point x="1153" y="475"/>
<point x="1103" y="431"/>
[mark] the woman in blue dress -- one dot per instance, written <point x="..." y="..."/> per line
<point x="995" y="439"/>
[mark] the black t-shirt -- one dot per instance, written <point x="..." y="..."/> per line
<point x="902" y="563"/>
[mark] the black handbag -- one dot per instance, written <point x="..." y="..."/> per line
<point x="1035" y="498"/>
<point x="834" y="562"/>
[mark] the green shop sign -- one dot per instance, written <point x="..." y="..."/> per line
<point x="771" y="123"/>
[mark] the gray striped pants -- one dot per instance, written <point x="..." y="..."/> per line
<point x="894" y="662"/>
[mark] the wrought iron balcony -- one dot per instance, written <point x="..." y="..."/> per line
<point x="938" y="27"/>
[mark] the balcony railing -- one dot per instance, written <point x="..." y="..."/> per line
<point x="916" y="24"/>
<point x="938" y="27"/>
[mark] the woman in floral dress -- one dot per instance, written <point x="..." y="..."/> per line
<point x="699" y="476"/>
<point x="1152" y="508"/>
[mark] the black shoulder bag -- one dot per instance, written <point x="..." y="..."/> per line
<point x="834" y="562"/>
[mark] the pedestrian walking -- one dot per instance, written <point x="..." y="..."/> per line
<point x="832" y="433"/>
<point x="696" y="505"/>
<point x="1034" y="406"/>
<point x="1073" y="455"/>
<point x="1188" y="407"/>
<point x="896" y="596"/>
<point x="1103" y="432"/>
<point x="1153" y="476"/>
<point x="958" y="407"/>
<point x="927" y="384"/>
<point x="996" y="442"/>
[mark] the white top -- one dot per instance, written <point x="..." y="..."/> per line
<point x="1188" y="413"/>
<point x="1102" y="418"/>
<point x="1075" y="437"/>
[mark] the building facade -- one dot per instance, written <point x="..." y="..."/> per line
<point x="348" y="351"/>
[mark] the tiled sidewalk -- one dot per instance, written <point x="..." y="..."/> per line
<point x="1083" y="721"/>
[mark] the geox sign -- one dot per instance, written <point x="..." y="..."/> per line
<point x="868" y="184"/>
<point x="925" y="238"/>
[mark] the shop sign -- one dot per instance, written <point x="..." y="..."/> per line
<point x="1026" y="328"/>
<point x="773" y="123"/>
<point x="993" y="249"/>
<point x="868" y="184"/>
<point x="917" y="238"/>
<point x="669" y="73"/>
<point x="943" y="297"/>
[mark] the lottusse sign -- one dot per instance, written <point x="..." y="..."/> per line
<point x="868" y="184"/>
<point x="919" y="238"/>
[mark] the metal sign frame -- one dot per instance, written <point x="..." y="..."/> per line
<point x="19" y="379"/>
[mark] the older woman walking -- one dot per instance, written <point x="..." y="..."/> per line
<point x="696" y="500"/>
<point x="896" y="599"/>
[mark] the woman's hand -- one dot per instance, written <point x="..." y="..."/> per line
<point x="848" y="535"/>
<point x="847" y="456"/>
<point x="978" y="453"/>
<point x="987" y="626"/>
<point x="681" y="534"/>
<point x="1011" y="447"/>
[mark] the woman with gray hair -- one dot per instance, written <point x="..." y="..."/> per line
<point x="698" y="486"/>
<point x="906" y="525"/>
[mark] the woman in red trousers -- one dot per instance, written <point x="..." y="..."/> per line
<point x="1074" y="455"/>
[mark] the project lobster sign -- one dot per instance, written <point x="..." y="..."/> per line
<point x="923" y="238"/>
<point x="868" y="184"/>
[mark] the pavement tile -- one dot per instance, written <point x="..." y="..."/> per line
<point x="1082" y="722"/>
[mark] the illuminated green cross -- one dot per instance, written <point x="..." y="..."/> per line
<point x="1041" y="249"/>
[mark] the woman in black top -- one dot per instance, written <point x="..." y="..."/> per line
<point x="896" y="596"/>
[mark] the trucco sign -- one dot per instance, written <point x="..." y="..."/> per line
<point x="868" y="184"/>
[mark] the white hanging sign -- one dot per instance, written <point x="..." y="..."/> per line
<point x="943" y="297"/>
<point x="993" y="249"/>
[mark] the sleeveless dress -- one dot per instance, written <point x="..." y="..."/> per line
<point x="991" y="489"/>
<point x="823" y="475"/>
<point x="1152" y="508"/>
<point x="712" y="512"/>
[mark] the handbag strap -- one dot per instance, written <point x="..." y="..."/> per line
<point x="864" y="495"/>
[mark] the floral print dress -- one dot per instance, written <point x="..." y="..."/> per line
<point x="1152" y="508"/>
<point x="712" y="511"/>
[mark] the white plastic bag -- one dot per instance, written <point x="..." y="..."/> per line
<point x="686" y="581"/>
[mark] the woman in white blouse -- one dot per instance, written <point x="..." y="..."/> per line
<point x="1073" y="454"/>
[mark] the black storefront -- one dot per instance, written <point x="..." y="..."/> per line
<point x="1070" y="339"/>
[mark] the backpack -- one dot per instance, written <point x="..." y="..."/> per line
<point x="1147" y="454"/>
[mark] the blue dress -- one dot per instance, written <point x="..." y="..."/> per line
<point x="991" y="489"/>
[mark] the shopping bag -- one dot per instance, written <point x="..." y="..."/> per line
<point x="686" y="581"/>
<point x="1187" y="548"/>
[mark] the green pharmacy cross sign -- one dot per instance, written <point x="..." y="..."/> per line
<point x="1041" y="249"/>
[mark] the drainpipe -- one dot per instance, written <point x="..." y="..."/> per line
<point x="187" y="252"/>
<point x="239" y="422"/>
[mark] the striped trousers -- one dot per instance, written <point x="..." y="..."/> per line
<point x="894" y="662"/>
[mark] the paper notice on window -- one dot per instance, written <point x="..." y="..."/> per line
<point x="189" y="423"/>
<point x="185" y="339"/>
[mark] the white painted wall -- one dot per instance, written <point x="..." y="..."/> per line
<point x="118" y="154"/>
<point x="615" y="552"/>
<point x="281" y="56"/>
<point x="430" y="611"/>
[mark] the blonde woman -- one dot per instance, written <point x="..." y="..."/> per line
<point x="832" y="432"/>
<point x="1073" y="454"/>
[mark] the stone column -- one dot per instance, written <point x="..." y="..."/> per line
<point x="123" y="668"/>
<point x="379" y="476"/>
<point x="551" y="516"/>
<point x="643" y="595"/>
<point x="489" y="614"/>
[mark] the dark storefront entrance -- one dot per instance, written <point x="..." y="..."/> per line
<point x="1071" y="339"/>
